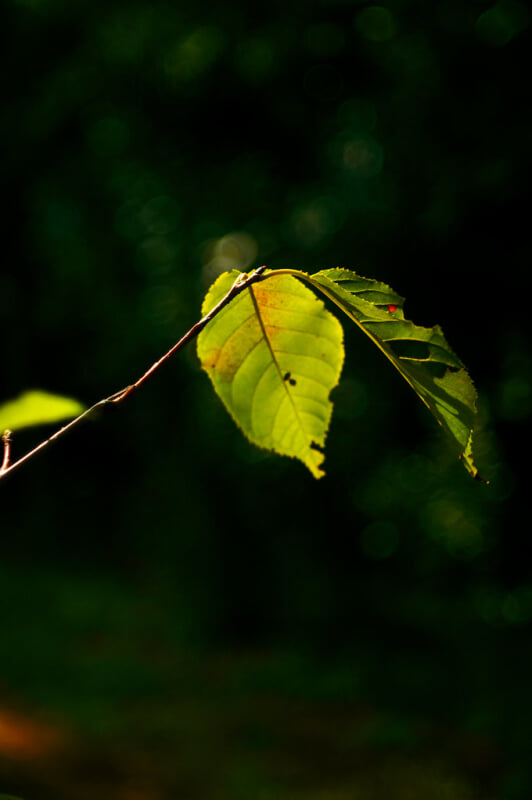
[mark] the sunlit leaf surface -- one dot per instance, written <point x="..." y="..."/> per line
<point x="421" y="355"/>
<point x="273" y="355"/>
<point x="37" y="408"/>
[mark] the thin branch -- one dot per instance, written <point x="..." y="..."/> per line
<point x="242" y="282"/>
<point x="6" y="438"/>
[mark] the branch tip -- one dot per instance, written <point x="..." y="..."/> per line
<point x="6" y="438"/>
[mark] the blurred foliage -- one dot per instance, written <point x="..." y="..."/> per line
<point x="36" y="408"/>
<point x="183" y="615"/>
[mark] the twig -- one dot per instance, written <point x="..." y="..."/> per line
<point x="6" y="438"/>
<point x="241" y="283"/>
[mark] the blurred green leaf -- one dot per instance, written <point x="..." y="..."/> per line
<point x="36" y="407"/>
<point x="273" y="356"/>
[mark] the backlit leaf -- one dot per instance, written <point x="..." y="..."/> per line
<point x="37" y="408"/>
<point x="273" y="355"/>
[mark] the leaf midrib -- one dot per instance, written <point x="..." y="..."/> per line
<point x="274" y="359"/>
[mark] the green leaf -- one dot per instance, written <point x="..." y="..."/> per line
<point x="421" y="355"/>
<point x="37" y="408"/>
<point x="273" y="355"/>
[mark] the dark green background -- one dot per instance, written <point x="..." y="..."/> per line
<point x="189" y="616"/>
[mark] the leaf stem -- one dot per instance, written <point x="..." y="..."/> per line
<point x="242" y="282"/>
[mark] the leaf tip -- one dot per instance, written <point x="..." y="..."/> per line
<point x="466" y="457"/>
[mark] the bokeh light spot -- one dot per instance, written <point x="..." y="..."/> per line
<point x="498" y="25"/>
<point x="157" y="255"/>
<point x="448" y="522"/>
<point x="24" y="738"/>
<point x="235" y="250"/>
<point x="194" y="54"/>
<point x="363" y="156"/>
<point x="147" y="209"/>
<point x="256" y="60"/>
<point x="376" y="24"/>
<point x="464" y="541"/>
<point x="312" y="223"/>
<point x="513" y="611"/>
<point x="160" y="215"/>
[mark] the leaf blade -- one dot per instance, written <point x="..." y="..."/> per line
<point x="439" y="378"/>
<point x="273" y="356"/>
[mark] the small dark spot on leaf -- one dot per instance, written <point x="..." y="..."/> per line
<point x="392" y="308"/>
<point x="288" y="377"/>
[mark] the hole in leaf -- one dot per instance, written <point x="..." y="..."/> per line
<point x="407" y="349"/>
<point x="316" y="446"/>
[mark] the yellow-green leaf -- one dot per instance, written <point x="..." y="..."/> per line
<point x="37" y="408"/>
<point x="273" y="355"/>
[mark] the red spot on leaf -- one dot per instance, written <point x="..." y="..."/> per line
<point x="392" y="308"/>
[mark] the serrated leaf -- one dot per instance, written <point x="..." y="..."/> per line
<point x="37" y="408"/>
<point x="273" y="355"/>
<point x="422" y="355"/>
